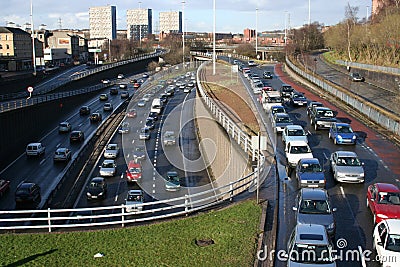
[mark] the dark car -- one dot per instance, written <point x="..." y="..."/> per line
<point x="309" y="173"/>
<point x="84" y="110"/>
<point x="298" y="99"/>
<point x="312" y="104"/>
<point x="322" y="117"/>
<point x="267" y="75"/>
<point x="114" y="91"/>
<point x="76" y="136"/>
<point x="95" y="117"/>
<point x="164" y="98"/>
<point x="356" y="77"/>
<point x="149" y="123"/>
<point x="153" y="115"/>
<point x="97" y="188"/>
<point x="27" y="192"/>
<point x="139" y="153"/>
<point x="286" y="90"/>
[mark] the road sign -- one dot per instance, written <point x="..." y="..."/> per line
<point x="235" y="68"/>
<point x="94" y="50"/>
<point x="30" y="89"/>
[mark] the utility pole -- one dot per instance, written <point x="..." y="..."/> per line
<point x="256" y="32"/>
<point x="214" y="55"/>
<point x="183" y="33"/>
<point x="33" y="42"/>
<point x="140" y="24"/>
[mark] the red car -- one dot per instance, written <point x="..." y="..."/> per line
<point x="4" y="186"/>
<point x="131" y="113"/>
<point x="384" y="201"/>
<point x="134" y="171"/>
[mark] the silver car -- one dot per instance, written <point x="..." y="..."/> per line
<point x="312" y="205"/>
<point x="112" y="151"/>
<point x="346" y="167"/>
<point x="62" y="154"/>
<point x="294" y="133"/>
<point x="108" y="168"/>
<point x="134" y="201"/>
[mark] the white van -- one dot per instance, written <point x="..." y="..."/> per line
<point x="156" y="105"/>
<point x="270" y="98"/>
<point x="35" y="149"/>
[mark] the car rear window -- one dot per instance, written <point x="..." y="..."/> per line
<point x="311" y="237"/>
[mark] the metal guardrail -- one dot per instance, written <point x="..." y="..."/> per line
<point x="51" y="219"/>
<point x="390" y="70"/>
<point x="79" y="76"/>
<point x="376" y="114"/>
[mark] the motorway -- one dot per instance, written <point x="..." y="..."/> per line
<point x="354" y="222"/>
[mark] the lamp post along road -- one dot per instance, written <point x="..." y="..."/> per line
<point x="214" y="55"/>
<point x="33" y="42"/>
<point x="256" y="31"/>
<point x="140" y="24"/>
<point x="183" y="33"/>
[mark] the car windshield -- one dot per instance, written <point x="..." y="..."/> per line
<point x="112" y="147"/>
<point x="287" y="89"/>
<point x="313" y="167"/>
<point x="325" y="113"/>
<point x="139" y="149"/>
<point x="299" y="149"/>
<point x="344" y="129"/>
<point x="296" y="132"/>
<point x="278" y="110"/>
<point x="310" y="206"/>
<point x="60" y="152"/>
<point x="304" y="253"/>
<point x="393" y="243"/>
<point x="94" y="185"/>
<point x="391" y="198"/>
<point x="136" y="198"/>
<point x="274" y="100"/>
<point x="348" y="161"/>
<point x="173" y="178"/>
<point x="298" y="96"/>
<point x="107" y="165"/>
<point x="135" y="170"/>
<point x="283" y="119"/>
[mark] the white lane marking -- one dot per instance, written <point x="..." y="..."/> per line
<point x="133" y="141"/>
<point x="342" y="191"/>
<point x="43" y="160"/>
<point x="58" y="145"/>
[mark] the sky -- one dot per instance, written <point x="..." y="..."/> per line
<point x="232" y="16"/>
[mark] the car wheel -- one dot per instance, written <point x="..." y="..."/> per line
<point x="367" y="203"/>
<point x="316" y="127"/>
<point x="329" y="135"/>
<point x="335" y="141"/>
<point x="374" y="219"/>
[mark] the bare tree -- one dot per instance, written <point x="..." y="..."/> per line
<point x="351" y="21"/>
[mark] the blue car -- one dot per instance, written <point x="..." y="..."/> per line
<point x="309" y="173"/>
<point x="342" y="133"/>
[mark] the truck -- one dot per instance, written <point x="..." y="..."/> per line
<point x="156" y="105"/>
<point x="269" y="99"/>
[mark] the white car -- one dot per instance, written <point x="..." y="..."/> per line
<point x="146" y="97"/>
<point x="294" y="133"/>
<point x="386" y="241"/>
<point x="120" y="76"/>
<point x="134" y="201"/>
<point x="108" y="107"/>
<point x="169" y="138"/>
<point x="108" y="168"/>
<point x="64" y="127"/>
<point x="296" y="150"/>
<point x="112" y="151"/>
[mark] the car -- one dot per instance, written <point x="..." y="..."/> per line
<point x="131" y="113"/>
<point x="280" y="121"/>
<point x="172" y="182"/>
<point x="136" y="85"/>
<point x="294" y="133"/>
<point x="97" y="188"/>
<point x="27" y="192"/>
<point x="84" y="110"/>
<point x="170" y="90"/>
<point x="103" y="97"/>
<point x="108" y="168"/>
<point x="95" y="117"/>
<point x="383" y="199"/>
<point x="106" y="81"/>
<point x="124" y="128"/>
<point x="313" y="206"/>
<point x="111" y="151"/>
<point x="124" y="95"/>
<point x="267" y="75"/>
<point x="163" y="98"/>
<point x="386" y="242"/>
<point x="134" y="171"/>
<point x="169" y="138"/>
<point x="190" y="84"/>
<point x="123" y="86"/>
<point x="35" y="149"/>
<point x="286" y="90"/>
<point x="142" y="103"/>
<point x="309" y="245"/>
<point x="4" y="186"/>
<point x="298" y="99"/>
<point x="62" y="154"/>
<point x="76" y="136"/>
<point x="257" y="87"/>
<point x="296" y="150"/>
<point x="108" y="107"/>
<point x="346" y="167"/>
<point x="134" y="81"/>
<point x="114" y="91"/>
<point x="309" y="173"/>
<point x="64" y="127"/>
<point x="146" y="97"/>
<point x="342" y="133"/>
<point x="322" y="117"/>
<point x="139" y="153"/>
<point x="356" y="77"/>
<point x="187" y="89"/>
<point x="145" y="75"/>
<point x="134" y="200"/>
<point x="277" y="109"/>
<point x="251" y="63"/>
<point x="144" y="133"/>
<point x="153" y="116"/>
<point x="149" y="123"/>
<point x="312" y="104"/>
<point x="120" y="76"/>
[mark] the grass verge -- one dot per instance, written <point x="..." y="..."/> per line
<point x="234" y="231"/>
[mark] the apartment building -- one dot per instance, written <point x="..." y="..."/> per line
<point x="103" y="22"/>
<point x="139" y="23"/>
<point x="170" y="22"/>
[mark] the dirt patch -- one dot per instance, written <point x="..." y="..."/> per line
<point x="204" y="242"/>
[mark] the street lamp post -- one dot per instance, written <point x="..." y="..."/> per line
<point x="33" y="42"/>
<point x="256" y="31"/>
<point x="214" y="55"/>
<point x="309" y="12"/>
<point x="140" y="23"/>
<point x="183" y="33"/>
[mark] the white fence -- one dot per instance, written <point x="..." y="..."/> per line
<point x="53" y="219"/>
